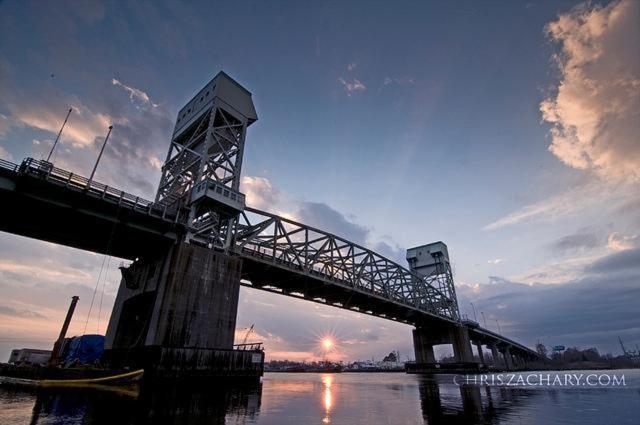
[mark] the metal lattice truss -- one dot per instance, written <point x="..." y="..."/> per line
<point x="211" y="149"/>
<point x="319" y="254"/>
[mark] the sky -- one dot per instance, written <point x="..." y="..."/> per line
<point x="510" y="130"/>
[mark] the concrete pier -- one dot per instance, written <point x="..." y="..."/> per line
<point x="176" y="316"/>
<point x="426" y="337"/>
<point x="508" y="361"/>
<point x="495" y="355"/>
<point x="480" y="353"/>
<point x="461" y="344"/>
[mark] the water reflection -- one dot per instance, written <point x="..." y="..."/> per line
<point x="443" y="402"/>
<point x="327" y="380"/>
<point x="346" y="398"/>
<point x="166" y="404"/>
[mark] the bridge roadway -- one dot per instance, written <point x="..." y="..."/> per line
<point x="279" y="255"/>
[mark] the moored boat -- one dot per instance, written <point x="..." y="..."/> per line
<point x="60" y="378"/>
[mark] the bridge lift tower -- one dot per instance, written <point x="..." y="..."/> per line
<point x="202" y="169"/>
<point x="175" y="315"/>
<point x="432" y="261"/>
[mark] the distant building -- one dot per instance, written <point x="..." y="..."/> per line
<point x="366" y="365"/>
<point x="30" y="356"/>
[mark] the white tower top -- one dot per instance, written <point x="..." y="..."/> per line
<point x="229" y="93"/>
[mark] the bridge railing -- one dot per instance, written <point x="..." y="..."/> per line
<point x="249" y="346"/>
<point x="46" y="171"/>
<point x="311" y="251"/>
<point x="7" y="165"/>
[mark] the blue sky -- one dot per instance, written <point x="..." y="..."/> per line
<point x="473" y="123"/>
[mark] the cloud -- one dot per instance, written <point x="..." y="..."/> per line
<point x="496" y="261"/>
<point x="5" y="124"/>
<point x="19" y="312"/>
<point x="592" y="310"/>
<point x="398" y="81"/>
<point x="136" y="96"/>
<point x="260" y="193"/>
<point x="618" y="242"/>
<point x="619" y="262"/>
<point x="595" y="193"/>
<point x="263" y="195"/>
<point x="583" y="240"/>
<point x="324" y="217"/>
<point x="37" y="280"/>
<point x="139" y="138"/>
<point x="4" y="154"/>
<point x="352" y="87"/>
<point x="595" y="111"/>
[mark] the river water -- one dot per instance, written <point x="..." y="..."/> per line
<point x="346" y="398"/>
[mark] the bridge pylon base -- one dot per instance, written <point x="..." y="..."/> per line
<point x="175" y="315"/>
<point x="426" y="337"/>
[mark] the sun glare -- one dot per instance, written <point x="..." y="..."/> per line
<point x="327" y="343"/>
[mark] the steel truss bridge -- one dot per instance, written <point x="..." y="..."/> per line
<point x="316" y="254"/>
<point x="281" y="255"/>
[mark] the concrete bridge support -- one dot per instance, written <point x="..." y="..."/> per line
<point x="165" y="307"/>
<point x="480" y="353"/>
<point x="424" y="338"/>
<point x="495" y="356"/>
<point x="423" y="341"/>
<point x="508" y="361"/>
<point x="461" y="344"/>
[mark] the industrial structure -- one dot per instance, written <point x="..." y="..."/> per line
<point x="192" y="248"/>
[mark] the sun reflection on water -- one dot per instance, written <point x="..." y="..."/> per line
<point x="327" y="380"/>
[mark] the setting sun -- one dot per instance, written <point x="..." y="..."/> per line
<point x="327" y="343"/>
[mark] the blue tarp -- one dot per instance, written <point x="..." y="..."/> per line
<point x="85" y="349"/>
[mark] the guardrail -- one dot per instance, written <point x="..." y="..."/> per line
<point x="251" y="346"/>
<point x="7" y="165"/>
<point x="45" y="170"/>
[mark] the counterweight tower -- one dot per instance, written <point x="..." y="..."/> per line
<point x="201" y="174"/>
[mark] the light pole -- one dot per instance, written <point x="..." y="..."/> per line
<point x="484" y="319"/>
<point x="498" y="323"/>
<point x="59" y="133"/>
<point x="99" y="156"/>
<point x="475" y="318"/>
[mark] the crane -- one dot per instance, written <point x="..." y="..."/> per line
<point x="246" y="336"/>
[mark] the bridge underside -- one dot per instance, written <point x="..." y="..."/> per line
<point x="264" y="276"/>
<point x="80" y="218"/>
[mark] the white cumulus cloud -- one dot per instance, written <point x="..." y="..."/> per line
<point x="595" y="111"/>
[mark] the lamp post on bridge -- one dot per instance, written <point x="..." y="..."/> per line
<point x="95" y="167"/>
<point x="484" y="319"/>
<point x="59" y="134"/>
<point x="498" y="323"/>
<point x="475" y="318"/>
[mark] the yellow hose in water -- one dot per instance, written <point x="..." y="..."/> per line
<point x="79" y="382"/>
